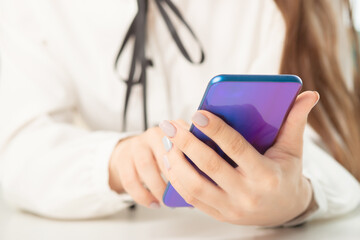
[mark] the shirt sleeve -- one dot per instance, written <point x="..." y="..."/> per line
<point x="49" y="166"/>
<point x="335" y="191"/>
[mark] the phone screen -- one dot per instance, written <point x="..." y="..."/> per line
<point x="256" y="109"/>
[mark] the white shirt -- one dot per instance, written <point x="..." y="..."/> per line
<point x="57" y="63"/>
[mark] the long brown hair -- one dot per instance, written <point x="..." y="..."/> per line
<point x="311" y="51"/>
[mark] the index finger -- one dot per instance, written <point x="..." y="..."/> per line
<point x="229" y="140"/>
<point x="202" y="156"/>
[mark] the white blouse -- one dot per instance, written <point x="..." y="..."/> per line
<point x="57" y="67"/>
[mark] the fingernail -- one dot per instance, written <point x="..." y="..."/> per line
<point x="166" y="162"/>
<point x="154" y="205"/>
<point x="168" y="128"/>
<point x="167" y="144"/>
<point x="318" y="97"/>
<point x="200" y="119"/>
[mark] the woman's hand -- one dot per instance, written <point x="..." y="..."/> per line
<point x="134" y="168"/>
<point x="264" y="190"/>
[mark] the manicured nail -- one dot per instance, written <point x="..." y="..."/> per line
<point x="166" y="162"/>
<point x="154" y="205"/>
<point x="200" y="119"/>
<point x="318" y="97"/>
<point x="168" y="128"/>
<point x="167" y="144"/>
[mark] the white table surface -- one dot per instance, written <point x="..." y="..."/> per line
<point x="165" y="223"/>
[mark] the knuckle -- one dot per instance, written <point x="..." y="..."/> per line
<point x="149" y="131"/>
<point x="237" y="145"/>
<point x="251" y="203"/>
<point x="159" y="193"/>
<point x="190" y="199"/>
<point x="186" y="144"/>
<point x="234" y="214"/>
<point x="195" y="189"/>
<point x="153" y="132"/>
<point x="213" y="165"/>
<point x="158" y="190"/>
<point x="128" y="183"/>
<point x="272" y="181"/>
<point x="141" y="198"/>
<point x="127" y="178"/>
<point x="145" y="161"/>
<point x="218" y="129"/>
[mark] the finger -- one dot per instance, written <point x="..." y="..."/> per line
<point x="154" y="139"/>
<point x="290" y="139"/>
<point x="229" y="140"/>
<point x="208" y="198"/>
<point x="195" y="183"/>
<point x="183" y="124"/>
<point x="192" y="186"/>
<point x="147" y="169"/>
<point x="133" y="186"/>
<point x="196" y="202"/>
<point x="204" y="157"/>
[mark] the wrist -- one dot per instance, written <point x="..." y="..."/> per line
<point x="307" y="195"/>
<point x="114" y="178"/>
<point x="309" y="204"/>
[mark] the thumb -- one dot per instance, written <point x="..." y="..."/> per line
<point x="290" y="138"/>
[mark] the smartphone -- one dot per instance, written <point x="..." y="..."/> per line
<point x="254" y="105"/>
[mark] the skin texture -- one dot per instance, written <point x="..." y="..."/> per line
<point x="134" y="168"/>
<point x="264" y="190"/>
<point x="136" y="164"/>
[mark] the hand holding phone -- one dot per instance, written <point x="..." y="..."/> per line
<point x="267" y="179"/>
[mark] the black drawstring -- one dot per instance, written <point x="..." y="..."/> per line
<point x="137" y="30"/>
